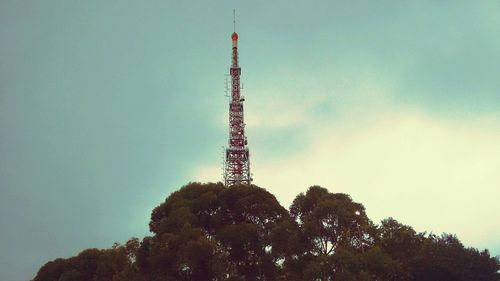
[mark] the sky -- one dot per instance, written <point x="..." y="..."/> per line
<point x="106" y="107"/>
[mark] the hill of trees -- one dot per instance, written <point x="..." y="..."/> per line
<point x="211" y="232"/>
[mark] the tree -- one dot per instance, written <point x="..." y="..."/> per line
<point x="445" y="258"/>
<point x="332" y="225"/>
<point x="234" y="228"/>
<point x="52" y="270"/>
<point x="239" y="233"/>
<point x="113" y="264"/>
<point x="402" y="244"/>
<point x="422" y="257"/>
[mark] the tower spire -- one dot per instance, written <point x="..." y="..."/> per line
<point x="237" y="163"/>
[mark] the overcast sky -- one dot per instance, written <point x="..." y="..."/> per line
<point x="106" y="107"/>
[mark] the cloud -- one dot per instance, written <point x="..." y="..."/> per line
<point x="433" y="173"/>
<point x="409" y="128"/>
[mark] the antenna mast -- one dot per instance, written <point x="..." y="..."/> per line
<point x="237" y="164"/>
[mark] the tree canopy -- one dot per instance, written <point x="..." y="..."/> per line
<point x="239" y="233"/>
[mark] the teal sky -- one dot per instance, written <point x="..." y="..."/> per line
<point x="106" y="107"/>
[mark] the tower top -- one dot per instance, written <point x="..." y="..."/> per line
<point x="234" y="20"/>
<point x="234" y="36"/>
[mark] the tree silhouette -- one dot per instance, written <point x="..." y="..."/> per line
<point x="217" y="233"/>
<point x="334" y="229"/>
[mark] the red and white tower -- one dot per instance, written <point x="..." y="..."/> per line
<point x="237" y="163"/>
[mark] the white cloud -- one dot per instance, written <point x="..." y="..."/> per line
<point x="431" y="173"/>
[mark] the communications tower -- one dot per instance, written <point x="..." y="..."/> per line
<point x="237" y="162"/>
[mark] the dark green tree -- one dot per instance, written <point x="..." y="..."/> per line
<point x="402" y="244"/>
<point x="115" y="264"/>
<point x="444" y="258"/>
<point x="235" y="229"/>
<point x="217" y="233"/>
<point x="334" y="230"/>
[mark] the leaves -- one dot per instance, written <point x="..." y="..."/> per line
<point x="217" y="233"/>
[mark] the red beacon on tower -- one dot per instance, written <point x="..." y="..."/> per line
<point x="237" y="158"/>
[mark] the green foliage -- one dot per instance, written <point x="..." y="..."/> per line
<point x="115" y="264"/>
<point x="216" y="233"/>
<point x="211" y="232"/>
<point x="334" y="231"/>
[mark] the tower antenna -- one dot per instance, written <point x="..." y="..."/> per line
<point x="237" y="162"/>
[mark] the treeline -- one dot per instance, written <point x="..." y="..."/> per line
<point x="211" y="232"/>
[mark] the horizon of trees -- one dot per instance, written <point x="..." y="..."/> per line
<point x="215" y="233"/>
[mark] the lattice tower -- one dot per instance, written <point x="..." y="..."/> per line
<point x="237" y="162"/>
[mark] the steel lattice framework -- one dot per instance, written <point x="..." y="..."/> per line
<point x="237" y="163"/>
